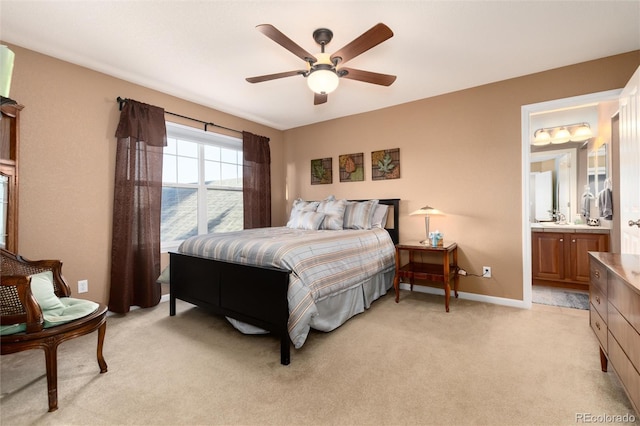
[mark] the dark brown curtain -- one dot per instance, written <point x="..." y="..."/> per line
<point x="256" y="181"/>
<point x="135" y="250"/>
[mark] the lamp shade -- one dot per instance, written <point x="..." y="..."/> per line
<point x="426" y="210"/>
<point x="6" y="70"/>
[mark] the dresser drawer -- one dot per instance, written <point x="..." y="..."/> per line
<point x="628" y="375"/>
<point x="599" y="327"/>
<point x="598" y="275"/>
<point x="625" y="300"/>
<point x="626" y="336"/>
<point x="598" y="300"/>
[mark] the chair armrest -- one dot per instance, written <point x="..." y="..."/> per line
<point x="14" y="264"/>
<point x="18" y="303"/>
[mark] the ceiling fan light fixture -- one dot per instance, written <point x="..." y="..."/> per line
<point x="323" y="81"/>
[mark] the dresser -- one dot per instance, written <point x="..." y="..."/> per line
<point x="614" y="316"/>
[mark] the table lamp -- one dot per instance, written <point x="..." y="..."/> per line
<point x="426" y="211"/>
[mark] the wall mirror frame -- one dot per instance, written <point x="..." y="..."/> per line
<point x="561" y="195"/>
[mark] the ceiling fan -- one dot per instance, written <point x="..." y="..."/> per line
<point x="323" y="70"/>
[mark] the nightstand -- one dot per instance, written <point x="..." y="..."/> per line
<point x="442" y="272"/>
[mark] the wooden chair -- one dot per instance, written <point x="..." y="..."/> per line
<point x="19" y="306"/>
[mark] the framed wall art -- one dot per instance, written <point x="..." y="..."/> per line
<point x="385" y="164"/>
<point x="351" y="167"/>
<point x="321" y="171"/>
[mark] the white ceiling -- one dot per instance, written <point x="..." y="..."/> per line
<point x="203" y="50"/>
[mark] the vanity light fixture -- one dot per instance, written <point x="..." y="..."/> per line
<point x="578" y="132"/>
<point x="426" y="211"/>
<point x="561" y="135"/>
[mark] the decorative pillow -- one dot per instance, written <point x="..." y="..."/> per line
<point x="299" y="205"/>
<point x="379" y="218"/>
<point x="334" y="213"/>
<point x="42" y="289"/>
<point x="306" y="220"/>
<point x="358" y="214"/>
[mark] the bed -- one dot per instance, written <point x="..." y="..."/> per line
<point x="287" y="280"/>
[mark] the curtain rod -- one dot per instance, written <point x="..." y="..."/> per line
<point x="121" y="102"/>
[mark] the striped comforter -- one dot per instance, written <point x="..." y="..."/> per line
<point x="323" y="263"/>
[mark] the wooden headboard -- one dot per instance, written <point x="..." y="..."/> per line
<point x="393" y="222"/>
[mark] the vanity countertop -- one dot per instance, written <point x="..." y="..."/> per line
<point x="552" y="227"/>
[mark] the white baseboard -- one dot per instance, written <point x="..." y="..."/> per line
<point x="469" y="296"/>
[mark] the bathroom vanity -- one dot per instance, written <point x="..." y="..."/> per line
<point x="560" y="253"/>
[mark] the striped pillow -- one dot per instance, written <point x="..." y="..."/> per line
<point x="358" y="214"/>
<point x="306" y="220"/>
<point x="299" y="205"/>
<point x="334" y="213"/>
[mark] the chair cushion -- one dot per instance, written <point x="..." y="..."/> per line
<point x="12" y="329"/>
<point x="72" y="310"/>
<point x="55" y="311"/>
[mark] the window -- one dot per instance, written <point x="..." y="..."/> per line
<point x="201" y="184"/>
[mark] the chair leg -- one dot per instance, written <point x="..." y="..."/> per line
<point x="101" y="362"/>
<point x="51" y="361"/>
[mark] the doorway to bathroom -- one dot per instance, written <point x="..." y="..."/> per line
<point x="548" y="232"/>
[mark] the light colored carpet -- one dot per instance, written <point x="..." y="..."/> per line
<point x="405" y="363"/>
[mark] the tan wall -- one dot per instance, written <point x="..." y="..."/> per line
<point x="460" y="153"/>
<point x="67" y="161"/>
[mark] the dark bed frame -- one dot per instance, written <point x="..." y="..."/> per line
<point x="255" y="295"/>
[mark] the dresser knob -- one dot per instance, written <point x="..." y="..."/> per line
<point x="597" y="325"/>
<point x="598" y="299"/>
<point x="561" y="239"/>
<point x="597" y="274"/>
<point x="636" y="223"/>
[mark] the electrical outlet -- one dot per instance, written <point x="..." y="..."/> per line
<point x="83" y="286"/>
<point x="486" y="271"/>
<point x="462" y="272"/>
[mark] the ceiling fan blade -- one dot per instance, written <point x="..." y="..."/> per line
<point x="367" y="76"/>
<point x="274" y="34"/>
<point x="319" y="99"/>
<point x="373" y="37"/>
<point x="268" y="77"/>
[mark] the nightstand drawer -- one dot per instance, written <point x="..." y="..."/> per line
<point x="599" y="327"/>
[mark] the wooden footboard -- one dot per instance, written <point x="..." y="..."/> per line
<point x="251" y="294"/>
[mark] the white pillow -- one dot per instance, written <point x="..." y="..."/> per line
<point x="334" y="213"/>
<point x="358" y="214"/>
<point x="379" y="218"/>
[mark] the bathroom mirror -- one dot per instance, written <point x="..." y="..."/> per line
<point x="553" y="184"/>
<point x="597" y="170"/>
